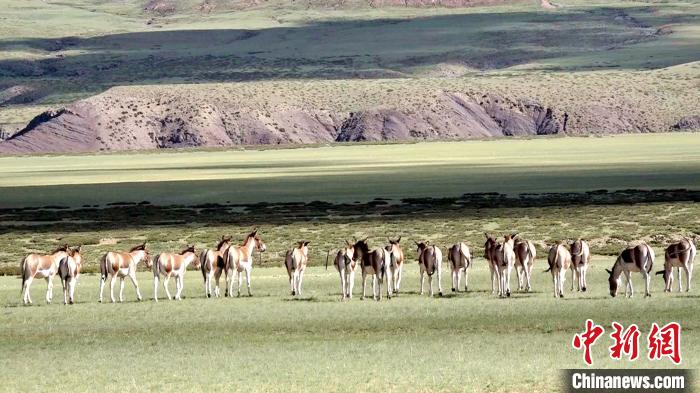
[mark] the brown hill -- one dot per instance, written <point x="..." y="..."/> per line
<point x="132" y="118"/>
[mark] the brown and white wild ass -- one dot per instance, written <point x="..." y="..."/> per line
<point x="345" y="264"/>
<point x="430" y="262"/>
<point x="490" y="255"/>
<point x="240" y="260"/>
<point x="68" y="272"/>
<point x="44" y="266"/>
<point x="397" y="260"/>
<point x="559" y="260"/>
<point x="173" y="265"/>
<point x="505" y="261"/>
<point x="580" y="260"/>
<point x="640" y="259"/>
<point x="680" y="255"/>
<point x="296" y="261"/>
<point x="525" y="255"/>
<point x="122" y="265"/>
<point x="460" y="258"/>
<point x="375" y="263"/>
<point x="212" y="262"/>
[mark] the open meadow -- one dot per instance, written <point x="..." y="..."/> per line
<point x="468" y="342"/>
<point x="442" y="192"/>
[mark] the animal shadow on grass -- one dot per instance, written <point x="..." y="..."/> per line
<point x="311" y="299"/>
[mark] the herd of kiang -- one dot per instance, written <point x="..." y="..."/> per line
<point x="384" y="264"/>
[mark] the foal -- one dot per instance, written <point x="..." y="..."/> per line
<point x="173" y="265"/>
<point x="122" y="265"/>
<point x="45" y="266"/>
<point x="296" y="261"/>
<point x="430" y="261"/>
<point x="460" y="259"/>
<point x="212" y="262"/>
<point x="68" y="272"/>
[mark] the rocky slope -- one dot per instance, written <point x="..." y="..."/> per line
<point x="133" y="118"/>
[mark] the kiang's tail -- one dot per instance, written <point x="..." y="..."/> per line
<point x="103" y="268"/>
<point x="25" y="272"/>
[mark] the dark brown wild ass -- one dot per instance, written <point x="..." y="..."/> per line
<point x="375" y="263"/>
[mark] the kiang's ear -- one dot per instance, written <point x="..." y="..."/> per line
<point x="486" y="235"/>
<point x="306" y="243"/>
<point x="609" y="271"/>
<point x="398" y="240"/>
<point x="348" y="243"/>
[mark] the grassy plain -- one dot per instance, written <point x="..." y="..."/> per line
<point x="272" y="343"/>
<point x="353" y="172"/>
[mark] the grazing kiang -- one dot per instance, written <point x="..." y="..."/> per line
<point x="430" y="262"/>
<point x="345" y="264"/>
<point x="580" y="260"/>
<point x="43" y="266"/>
<point x="505" y="261"/>
<point x="559" y="260"/>
<point x="122" y="265"/>
<point x="173" y="265"/>
<point x="525" y="254"/>
<point x="639" y="258"/>
<point x="212" y="262"/>
<point x="680" y="255"/>
<point x="375" y="263"/>
<point x="397" y="260"/>
<point x="239" y="259"/>
<point x="68" y="272"/>
<point x="460" y="258"/>
<point x="490" y="247"/>
<point x="296" y="260"/>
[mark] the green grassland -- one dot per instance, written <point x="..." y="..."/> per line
<point x="353" y="173"/>
<point x="273" y="343"/>
<point x="270" y="342"/>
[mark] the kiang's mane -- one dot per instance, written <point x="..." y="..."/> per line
<point x="138" y="248"/>
<point x="60" y="248"/>
<point x="221" y="242"/>
<point x="188" y="249"/>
